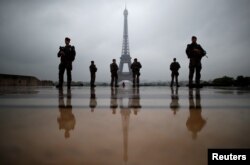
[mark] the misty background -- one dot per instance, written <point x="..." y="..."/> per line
<point x="159" y="30"/>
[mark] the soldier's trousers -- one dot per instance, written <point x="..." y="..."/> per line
<point x="114" y="79"/>
<point x="174" y="75"/>
<point x="197" y="70"/>
<point x="136" y="79"/>
<point x="92" y="79"/>
<point x="62" y="68"/>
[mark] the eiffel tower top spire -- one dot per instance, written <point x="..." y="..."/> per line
<point x="125" y="45"/>
<point x="125" y="10"/>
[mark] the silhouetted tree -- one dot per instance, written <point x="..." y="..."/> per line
<point x="224" y="81"/>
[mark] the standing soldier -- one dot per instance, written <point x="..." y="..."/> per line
<point x="174" y="67"/>
<point x="114" y="76"/>
<point x="136" y="66"/>
<point x="195" y="53"/>
<point x="67" y="55"/>
<point x="93" y="70"/>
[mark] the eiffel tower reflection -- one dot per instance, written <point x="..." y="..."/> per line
<point x="132" y="96"/>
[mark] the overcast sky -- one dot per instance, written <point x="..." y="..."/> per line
<point x="159" y="30"/>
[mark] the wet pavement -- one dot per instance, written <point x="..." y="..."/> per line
<point x="134" y="126"/>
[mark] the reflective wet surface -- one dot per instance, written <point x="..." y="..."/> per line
<point x="147" y="125"/>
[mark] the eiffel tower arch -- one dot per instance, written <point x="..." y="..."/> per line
<point x="125" y="59"/>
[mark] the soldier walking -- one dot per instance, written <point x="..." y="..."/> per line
<point x="174" y="67"/>
<point x="195" y="53"/>
<point x="114" y="76"/>
<point x="136" y="66"/>
<point x="67" y="55"/>
<point x="93" y="70"/>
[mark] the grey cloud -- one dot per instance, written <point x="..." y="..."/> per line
<point x="159" y="30"/>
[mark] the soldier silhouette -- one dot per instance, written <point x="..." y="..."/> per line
<point x="174" y="105"/>
<point x="195" y="122"/>
<point x="67" y="55"/>
<point x="174" y="67"/>
<point x="66" y="120"/>
<point x="92" y="101"/>
<point x="114" y="76"/>
<point x="195" y="53"/>
<point x="136" y="66"/>
<point x="113" y="100"/>
<point x="93" y="70"/>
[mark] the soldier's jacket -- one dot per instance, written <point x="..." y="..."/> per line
<point x="92" y="68"/>
<point x="136" y="66"/>
<point x="195" y="51"/>
<point x="174" y="66"/>
<point x="113" y="68"/>
<point x="69" y="54"/>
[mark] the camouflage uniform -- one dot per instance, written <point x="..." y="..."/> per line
<point x="67" y="57"/>
<point x="195" y="53"/>
<point x="114" y="76"/>
<point x="93" y="70"/>
<point x="174" y="67"/>
<point x="136" y="66"/>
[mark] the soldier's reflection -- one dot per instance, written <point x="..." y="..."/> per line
<point x="195" y="122"/>
<point x="113" y="100"/>
<point x="92" y="101"/>
<point x="174" y="105"/>
<point x="134" y="101"/>
<point x="66" y="120"/>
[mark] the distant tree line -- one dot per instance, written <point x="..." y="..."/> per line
<point x="240" y="81"/>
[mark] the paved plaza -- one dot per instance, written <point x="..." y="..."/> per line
<point x="133" y="126"/>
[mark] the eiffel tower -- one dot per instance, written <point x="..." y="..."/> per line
<point x="125" y="57"/>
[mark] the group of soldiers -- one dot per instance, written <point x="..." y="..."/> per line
<point x="135" y="67"/>
<point x="194" y="52"/>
